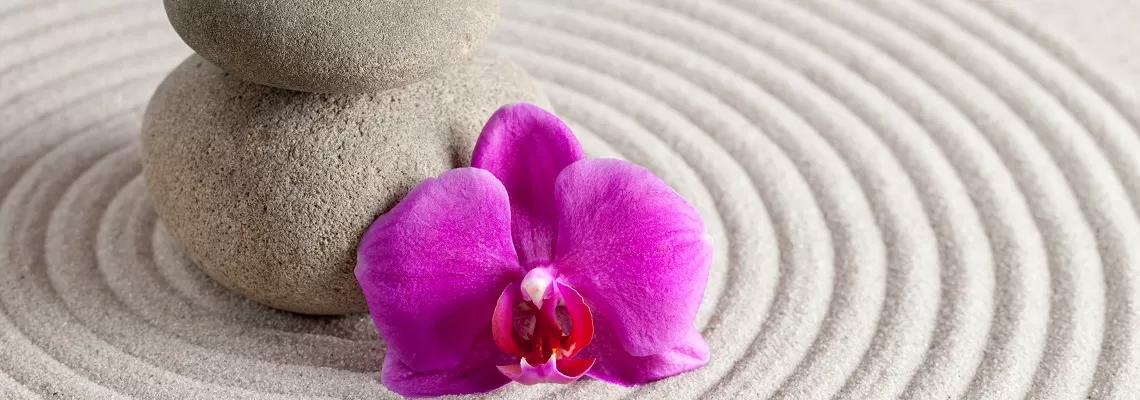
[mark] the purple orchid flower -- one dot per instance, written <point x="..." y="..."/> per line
<point x="536" y="265"/>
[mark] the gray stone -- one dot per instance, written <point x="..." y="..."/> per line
<point x="333" y="46"/>
<point x="270" y="190"/>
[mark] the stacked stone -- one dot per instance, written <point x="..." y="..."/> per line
<point x="298" y="122"/>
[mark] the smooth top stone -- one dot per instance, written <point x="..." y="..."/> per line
<point x="270" y="190"/>
<point x="333" y="46"/>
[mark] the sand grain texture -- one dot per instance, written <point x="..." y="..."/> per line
<point x="909" y="199"/>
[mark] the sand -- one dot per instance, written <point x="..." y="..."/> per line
<point x="909" y="199"/>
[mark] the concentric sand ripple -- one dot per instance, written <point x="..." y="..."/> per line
<point x="909" y="199"/>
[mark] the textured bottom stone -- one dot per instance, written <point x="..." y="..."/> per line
<point x="269" y="190"/>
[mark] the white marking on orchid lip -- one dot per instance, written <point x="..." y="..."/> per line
<point x="536" y="285"/>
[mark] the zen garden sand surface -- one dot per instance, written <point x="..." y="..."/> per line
<point x="916" y="199"/>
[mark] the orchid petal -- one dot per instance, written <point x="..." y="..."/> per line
<point x="526" y="147"/>
<point x="615" y="365"/>
<point x="475" y="374"/>
<point x="432" y="268"/>
<point x="635" y="249"/>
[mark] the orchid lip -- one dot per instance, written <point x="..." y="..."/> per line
<point x="551" y="371"/>
<point x="545" y="337"/>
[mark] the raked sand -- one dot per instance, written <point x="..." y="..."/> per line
<point x="909" y="199"/>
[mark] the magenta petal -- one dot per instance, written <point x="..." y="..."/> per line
<point x="526" y="147"/>
<point x="433" y="267"/>
<point x="615" y="365"/>
<point x="635" y="249"/>
<point x="477" y="373"/>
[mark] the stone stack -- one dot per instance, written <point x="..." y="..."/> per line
<point x="298" y="122"/>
